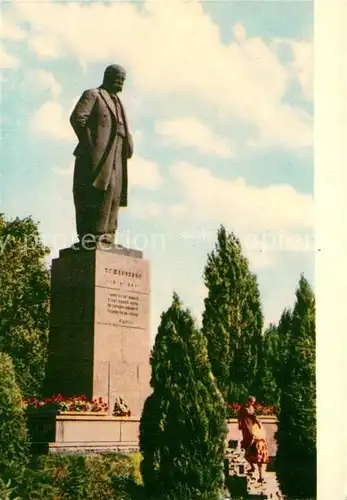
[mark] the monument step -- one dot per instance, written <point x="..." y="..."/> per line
<point x="93" y="447"/>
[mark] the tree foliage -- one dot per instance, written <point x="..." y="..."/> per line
<point x="296" y="456"/>
<point x="24" y="300"/>
<point x="268" y="366"/>
<point x="232" y="319"/>
<point x="13" y="433"/>
<point x="183" y="429"/>
<point x="284" y="329"/>
<point x="83" y="477"/>
<point x="273" y="359"/>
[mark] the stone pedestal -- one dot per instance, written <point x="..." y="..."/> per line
<point x="51" y="432"/>
<point x="99" y="334"/>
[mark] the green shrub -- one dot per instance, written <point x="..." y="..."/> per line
<point x="7" y="492"/>
<point x="14" y="448"/>
<point x="126" y="488"/>
<point x="104" y="468"/>
<point x="38" y="485"/>
<point x="86" y="477"/>
<point x="136" y="459"/>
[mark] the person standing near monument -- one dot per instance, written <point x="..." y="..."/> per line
<point x="257" y="451"/>
<point x="246" y="418"/>
<point x="100" y="184"/>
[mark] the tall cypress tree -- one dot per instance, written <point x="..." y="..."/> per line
<point x="273" y="359"/>
<point x="183" y="429"/>
<point x="268" y="367"/>
<point x="232" y="319"/>
<point x="296" y="456"/>
<point x="284" y="332"/>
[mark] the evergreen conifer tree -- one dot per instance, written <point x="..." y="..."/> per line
<point x="268" y="366"/>
<point x="284" y="329"/>
<point x="183" y="426"/>
<point x="273" y="359"/>
<point x="232" y="319"/>
<point x="296" y="456"/>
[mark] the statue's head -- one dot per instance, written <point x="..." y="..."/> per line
<point x="114" y="78"/>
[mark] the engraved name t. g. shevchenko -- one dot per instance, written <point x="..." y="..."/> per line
<point x="100" y="184"/>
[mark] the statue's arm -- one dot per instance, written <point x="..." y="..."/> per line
<point x="130" y="146"/>
<point x="80" y="115"/>
<point x="130" y="141"/>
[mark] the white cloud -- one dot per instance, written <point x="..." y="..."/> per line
<point x="262" y="213"/>
<point x="194" y="296"/>
<point x="45" y="46"/>
<point x="138" y="135"/>
<point x="300" y="67"/>
<point x="144" y="173"/>
<point x="43" y="80"/>
<point x="7" y="61"/>
<point x="260" y="259"/>
<point x="239" y="32"/>
<point x="191" y="133"/>
<point x="244" y="80"/>
<point x="177" y="210"/>
<point x="10" y="31"/>
<point x="144" y="209"/>
<point x="50" y="121"/>
<point x="298" y="131"/>
<point x="63" y="171"/>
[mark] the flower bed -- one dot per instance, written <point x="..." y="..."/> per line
<point x="260" y="409"/>
<point x="76" y="405"/>
<point x="59" y="403"/>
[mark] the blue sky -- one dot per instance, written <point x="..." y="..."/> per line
<point x="219" y="99"/>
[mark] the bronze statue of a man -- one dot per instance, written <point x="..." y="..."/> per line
<point x="105" y="144"/>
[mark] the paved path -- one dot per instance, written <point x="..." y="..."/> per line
<point x="269" y="489"/>
<point x="238" y="469"/>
